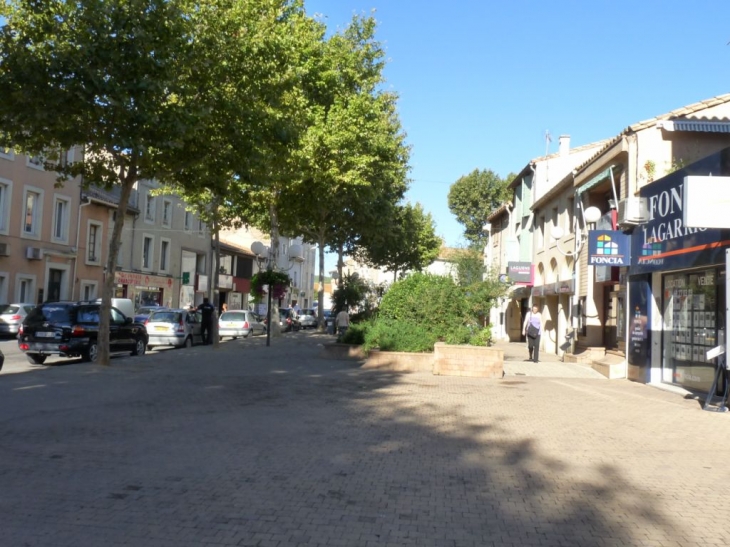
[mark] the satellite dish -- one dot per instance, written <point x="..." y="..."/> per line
<point x="258" y="248"/>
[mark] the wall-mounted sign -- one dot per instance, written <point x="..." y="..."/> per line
<point x="520" y="272"/>
<point x="609" y="248"/>
<point x="142" y="280"/>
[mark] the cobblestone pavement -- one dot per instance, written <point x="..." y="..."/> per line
<point x="249" y="445"/>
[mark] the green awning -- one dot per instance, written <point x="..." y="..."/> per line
<point x="600" y="177"/>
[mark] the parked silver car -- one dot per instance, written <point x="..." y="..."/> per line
<point x="173" y="327"/>
<point x="12" y="315"/>
<point x="308" y="318"/>
<point x="239" y="323"/>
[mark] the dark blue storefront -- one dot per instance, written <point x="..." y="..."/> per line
<point x="676" y="286"/>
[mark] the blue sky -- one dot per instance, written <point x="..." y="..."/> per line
<point x="481" y="81"/>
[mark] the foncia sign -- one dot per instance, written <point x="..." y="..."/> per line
<point x="609" y="248"/>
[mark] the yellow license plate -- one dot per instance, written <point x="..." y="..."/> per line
<point x="161" y="328"/>
<point x="231" y="325"/>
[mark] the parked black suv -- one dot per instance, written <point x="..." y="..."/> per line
<point x="70" y="329"/>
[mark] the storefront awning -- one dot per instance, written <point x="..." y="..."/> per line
<point x="595" y="181"/>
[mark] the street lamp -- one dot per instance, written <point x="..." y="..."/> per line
<point x="590" y="216"/>
<point x="262" y="255"/>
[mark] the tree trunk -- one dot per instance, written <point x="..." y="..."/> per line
<point x="320" y="292"/>
<point x="128" y="182"/>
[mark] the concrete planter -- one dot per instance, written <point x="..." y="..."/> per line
<point x="446" y="360"/>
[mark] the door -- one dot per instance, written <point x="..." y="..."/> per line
<point x="55" y="281"/>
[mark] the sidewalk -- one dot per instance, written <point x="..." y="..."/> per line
<point x="550" y="365"/>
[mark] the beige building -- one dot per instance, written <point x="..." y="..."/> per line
<point x="610" y="180"/>
<point x="38" y="230"/>
<point x="519" y="240"/>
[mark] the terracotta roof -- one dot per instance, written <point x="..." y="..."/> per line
<point x="499" y="210"/>
<point x="235" y="248"/>
<point x="526" y="168"/>
<point x="678" y="113"/>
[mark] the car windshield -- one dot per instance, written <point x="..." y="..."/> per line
<point x="146" y="311"/>
<point x="233" y="316"/>
<point x="8" y="308"/>
<point x="165" y="317"/>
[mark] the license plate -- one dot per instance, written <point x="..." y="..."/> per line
<point x="230" y="325"/>
<point x="45" y="334"/>
<point x="161" y="328"/>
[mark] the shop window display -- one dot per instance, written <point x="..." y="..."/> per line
<point x="693" y="325"/>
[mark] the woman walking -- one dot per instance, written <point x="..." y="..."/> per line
<point x="532" y="329"/>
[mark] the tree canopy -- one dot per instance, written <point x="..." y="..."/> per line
<point x="473" y="196"/>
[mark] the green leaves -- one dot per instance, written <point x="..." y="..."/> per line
<point x="473" y="197"/>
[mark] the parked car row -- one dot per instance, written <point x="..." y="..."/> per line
<point x="70" y="329"/>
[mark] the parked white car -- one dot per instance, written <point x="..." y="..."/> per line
<point x="239" y="323"/>
<point x="308" y="318"/>
<point x="173" y="327"/>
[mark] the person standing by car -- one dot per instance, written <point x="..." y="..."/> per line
<point x="532" y="329"/>
<point x="343" y="322"/>
<point x="206" y="310"/>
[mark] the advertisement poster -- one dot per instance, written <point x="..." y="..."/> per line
<point x="639" y="352"/>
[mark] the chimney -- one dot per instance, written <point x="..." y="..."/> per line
<point x="564" y="145"/>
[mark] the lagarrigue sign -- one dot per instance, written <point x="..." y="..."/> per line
<point x="663" y="242"/>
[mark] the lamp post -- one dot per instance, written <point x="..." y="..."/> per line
<point x="262" y="255"/>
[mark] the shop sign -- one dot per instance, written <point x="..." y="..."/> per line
<point x="142" y="280"/>
<point x="609" y="248"/>
<point x="664" y="242"/>
<point x="566" y="287"/>
<point x="520" y="272"/>
<point x="549" y="290"/>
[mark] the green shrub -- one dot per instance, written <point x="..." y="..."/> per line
<point x="482" y="337"/>
<point x="393" y="335"/>
<point x="356" y="333"/>
<point x="433" y="302"/>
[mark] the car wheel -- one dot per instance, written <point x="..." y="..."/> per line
<point x="150" y="348"/>
<point x="36" y="358"/>
<point x="188" y="342"/>
<point x="247" y="334"/>
<point x="139" y="347"/>
<point x="91" y="353"/>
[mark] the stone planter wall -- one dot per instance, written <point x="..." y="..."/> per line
<point x="399" y="361"/>
<point x="446" y="360"/>
<point x="477" y="361"/>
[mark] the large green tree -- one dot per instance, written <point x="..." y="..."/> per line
<point x="406" y="241"/>
<point x="136" y="83"/>
<point x="473" y="196"/>
<point x="351" y="154"/>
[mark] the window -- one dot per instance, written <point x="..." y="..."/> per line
<point x="88" y="290"/>
<point x="166" y="212"/>
<point x="571" y="211"/>
<point x="7" y="153"/>
<point x="3" y="287"/>
<point x="147" y="253"/>
<point x="35" y="162"/>
<point x="5" y="196"/>
<point x="164" y="254"/>
<point x="200" y="227"/>
<point x="61" y="209"/>
<point x="188" y="221"/>
<point x="25" y="289"/>
<point x="554" y="218"/>
<point x="32" y="212"/>
<point x="93" y="243"/>
<point x="541" y="233"/>
<point x="149" y="208"/>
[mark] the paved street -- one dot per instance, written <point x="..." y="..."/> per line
<point x="250" y="445"/>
